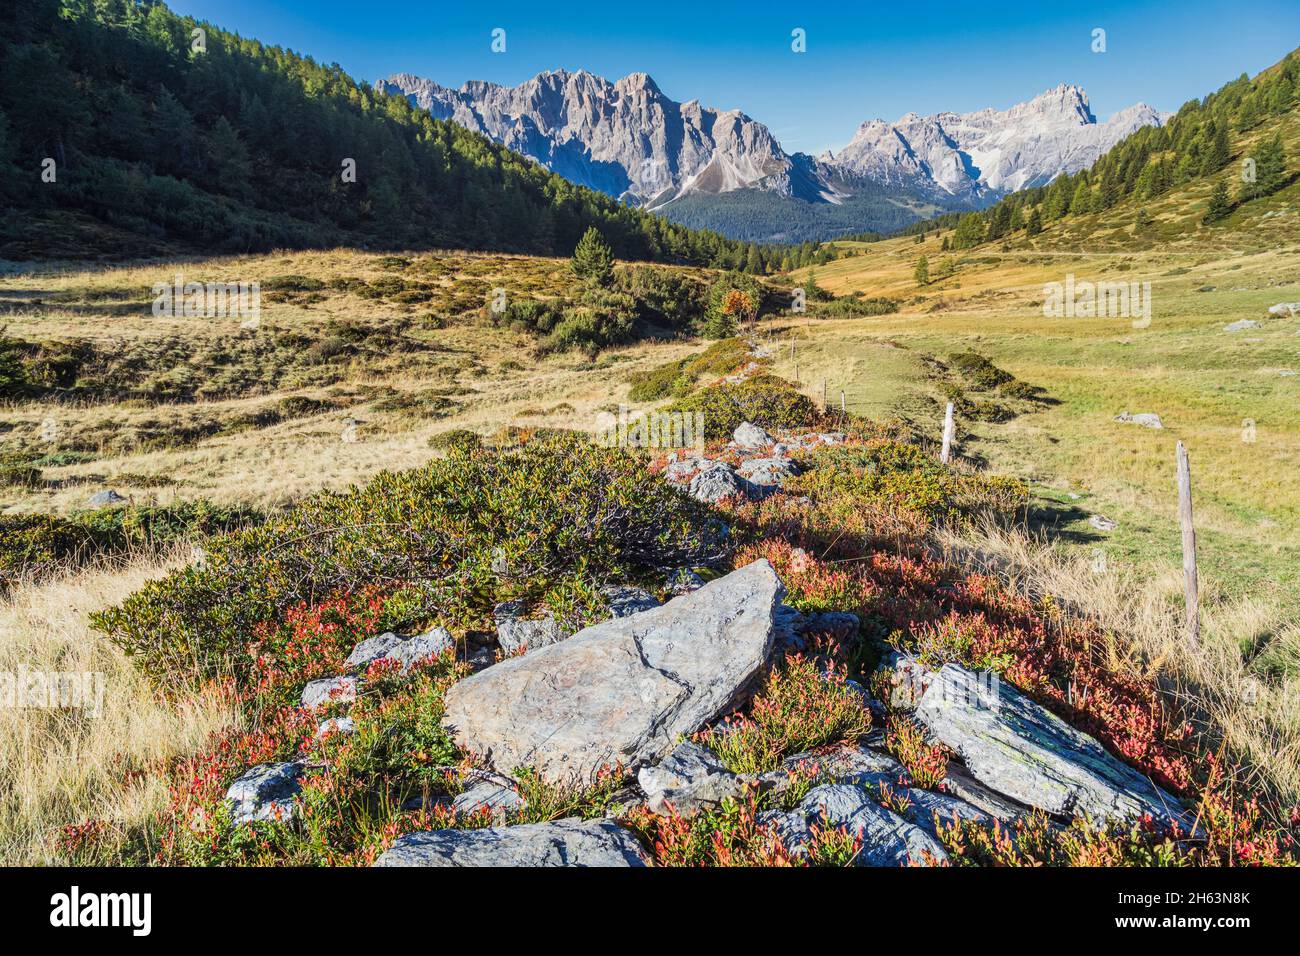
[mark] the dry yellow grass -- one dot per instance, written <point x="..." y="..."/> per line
<point x="494" y="375"/>
<point x="66" y="766"/>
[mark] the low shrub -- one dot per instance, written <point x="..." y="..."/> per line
<point x="798" y="708"/>
<point x="547" y="521"/>
<point x="676" y="379"/>
<point x="19" y="474"/>
<point x="34" y="545"/>
<point x="602" y="317"/>
<point x="427" y="403"/>
<point x="852" y="307"/>
<point x="664" y="296"/>
<point x="901" y="477"/>
<point x="980" y="372"/>
<point x="457" y="441"/>
<point x="731" y="836"/>
<point x="530" y="315"/>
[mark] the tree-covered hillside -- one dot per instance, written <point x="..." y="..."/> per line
<point x="766" y="217"/>
<point x="123" y="129"/>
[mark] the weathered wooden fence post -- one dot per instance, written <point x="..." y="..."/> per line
<point x="844" y="405"/>
<point x="1190" y="584"/>
<point x="823" y="396"/>
<point x="949" y="433"/>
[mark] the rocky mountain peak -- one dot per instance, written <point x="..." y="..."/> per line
<point x="629" y="140"/>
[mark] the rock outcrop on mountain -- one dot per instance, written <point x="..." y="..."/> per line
<point x="629" y="140"/>
<point x="988" y="152"/>
<point x="624" y="138"/>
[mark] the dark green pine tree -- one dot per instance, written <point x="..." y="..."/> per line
<point x="1270" y="170"/>
<point x="1220" y="205"/>
<point x="1219" y="153"/>
<point x="999" y="222"/>
<point x="592" y="259"/>
<point x="1250" y="114"/>
<point x="969" y="231"/>
<point x="1035" y="224"/>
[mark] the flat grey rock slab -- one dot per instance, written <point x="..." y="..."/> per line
<point x="265" y="793"/>
<point x="105" y="499"/>
<point x="406" y="651"/>
<point x="959" y="783"/>
<point x="343" y="726"/>
<point x="1241" y="325"/>
<point x="769" y="472"/>
<point x="623" y="691"/>
<point x="517" y="632"/>
<point x="794" y="628"/>
<point x="1024" y="751"/>
<point x="887" y="839"/>
<point x="685" y="468"/>
<point x="329" y="690"/>
<point x="372" y="649"/>
<point x="496" y="798"/>
<point x="1145" y="419"/>
<point x="690" y="779"/>
<point x="590" y="843"/>
<point x="749" y="436"/>
<point x="716" y="484"/>
<point x="624" y="600"/>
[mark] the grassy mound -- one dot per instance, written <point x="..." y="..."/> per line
<point x="764" y="400"/>
<point x="676" y="379"/>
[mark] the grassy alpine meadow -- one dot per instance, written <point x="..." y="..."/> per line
<point x="1233" y="398"/>
<point x="212" y="430"/>
<point x="355" y="362"/>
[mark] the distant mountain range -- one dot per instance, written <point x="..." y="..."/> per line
<point x="725" y="171"/>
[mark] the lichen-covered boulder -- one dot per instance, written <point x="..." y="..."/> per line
<point x="265" y="793"/>
<point x="717" y="483"/>
<point x="625" y="600"/>
<point x="584" y="843"/>
<point x="517" y="631"/>
<point x="750" y="436"/>
<point x="406" y="651"/>
<point x="625" y="690"/>
<point x="689" y="779"/>
<point x="887" y="839"/>
<point x="496" y="798"/>
<point x="1023" y="750"/>
<point x="329" y="690"/>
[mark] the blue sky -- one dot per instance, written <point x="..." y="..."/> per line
<point x="863" y="60"/>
